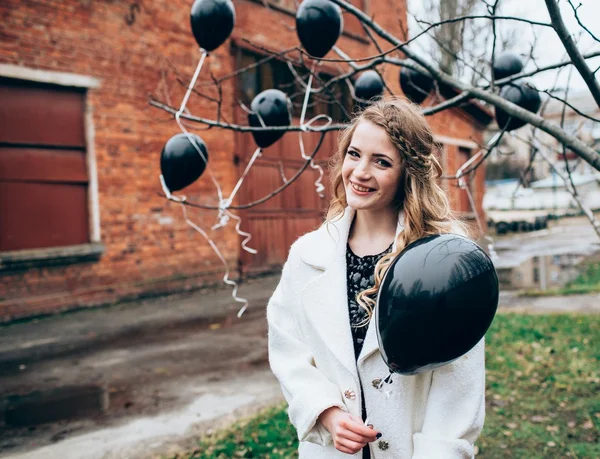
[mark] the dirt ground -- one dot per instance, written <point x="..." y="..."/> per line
<point x="138" y="377"/>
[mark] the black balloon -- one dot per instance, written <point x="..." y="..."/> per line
<point x="415" y="85"/>
<point x="180" y="162"/>
<point x="212" y="22"/>
<point x="436" y="302"/>
<point x="319" y="24"/>
<point x="506" y="65"/>
<point x="368" y="85"/>
<point x="273" y="107"/>
<point x="521" y="94"/>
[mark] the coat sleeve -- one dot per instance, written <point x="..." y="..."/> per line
<point x="455" y="409"/>
<point x="305" y="388"/>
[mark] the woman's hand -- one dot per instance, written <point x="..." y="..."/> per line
<point x="349" y="433"/>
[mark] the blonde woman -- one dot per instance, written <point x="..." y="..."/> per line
<point x="322" y="346"/>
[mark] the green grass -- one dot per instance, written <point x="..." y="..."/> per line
<point x="543" y="397"/>
<point x="587" y="282"/>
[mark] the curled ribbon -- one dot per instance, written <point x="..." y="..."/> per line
<point x="224" y="213"/>
<point x="304" y="126"/>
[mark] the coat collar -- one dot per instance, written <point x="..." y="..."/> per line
<point x="325" y="299"/>
<point x="328" y="242"/>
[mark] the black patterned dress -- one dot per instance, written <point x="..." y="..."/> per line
<point x="360" y="275"/>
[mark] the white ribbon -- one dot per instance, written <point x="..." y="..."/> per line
<point x="318" y="185"/>
<point x="224" y="213"/>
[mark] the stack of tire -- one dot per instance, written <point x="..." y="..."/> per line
<point x="517" y="226"/>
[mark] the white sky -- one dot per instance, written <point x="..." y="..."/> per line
<point x="549" y="48"/>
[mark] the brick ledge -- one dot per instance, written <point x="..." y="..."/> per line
<point x="34" y="258"/>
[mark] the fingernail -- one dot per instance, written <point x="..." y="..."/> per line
<point x="378" y="435"/>
<point x="370" y="426"/>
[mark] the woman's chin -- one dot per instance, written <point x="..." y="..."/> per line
<point x="358" y="203"/>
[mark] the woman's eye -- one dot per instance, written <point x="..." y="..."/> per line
<point x="352" y="153"/>
<point x="384" y="163"/>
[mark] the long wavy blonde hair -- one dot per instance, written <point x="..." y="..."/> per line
<point x="425" y="205"/>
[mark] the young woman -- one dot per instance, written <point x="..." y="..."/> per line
<point x="322" y="347"/>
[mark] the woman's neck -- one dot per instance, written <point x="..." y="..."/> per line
<point x="372" y="231"/>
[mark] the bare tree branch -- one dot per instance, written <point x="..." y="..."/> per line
<point x="576" y="145"/>
<point x="575" y="12"/>
<point x="268" y="196"/>
<point x="572" y="107"/>
<point x="240" y="128"/>
<point x="542" y="69"/>
<point x="588" y="213"/>
<point x="449" y="103"/>
<point x="495" y="35"/>
<point x="571" y="47"/>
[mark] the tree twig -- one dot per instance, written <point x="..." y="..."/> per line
<point x="579" y="147"/>
<point x="571" y="47"/>
<point x="268" y="196"/>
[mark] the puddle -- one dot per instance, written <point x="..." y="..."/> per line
<point x="40" y="407"/>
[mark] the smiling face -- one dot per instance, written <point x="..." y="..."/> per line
<point x="372" y="169"/>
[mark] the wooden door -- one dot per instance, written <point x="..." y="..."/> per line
<point x="277" y="223"/>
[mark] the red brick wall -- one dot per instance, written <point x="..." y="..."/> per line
<point x="148" y="247"/>
<point x="457" y="124"/>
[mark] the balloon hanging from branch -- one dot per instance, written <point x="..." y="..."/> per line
<point x="436" y="302"/>
<point x="319" y="24"/>
<point x="506" y="65"/>
<point x="181" y="161"/>
<point x="368" y="86"/>
<point x="185" y="156"/>
<point x="269" y="108"/>
<point x="212" y="22"/>
<point x="415" y="85"/>
<point x="523" y="95"/>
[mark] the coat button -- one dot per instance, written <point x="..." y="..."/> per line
<point x="349" y="394"/>
<point x="383" y="445"/>
<point x="376" y="383"/>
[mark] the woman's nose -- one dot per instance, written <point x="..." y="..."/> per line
<point x="362" y="170"/>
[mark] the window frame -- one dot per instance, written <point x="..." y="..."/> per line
<point x="240" y="52"/>
<point x="28" y="258"/>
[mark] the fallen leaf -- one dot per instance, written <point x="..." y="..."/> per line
<point x="538" y="418"/>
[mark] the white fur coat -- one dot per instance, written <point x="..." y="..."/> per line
<point x="436" y="414"/>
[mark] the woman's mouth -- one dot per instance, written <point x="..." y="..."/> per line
<point x="361" y="190"/>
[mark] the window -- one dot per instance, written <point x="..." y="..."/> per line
<point x="44" y="176"/>
<point x="335" y="102"/>
<point x="464" y="155"/>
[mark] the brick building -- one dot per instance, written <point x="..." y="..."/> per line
<point x="82" y="221"/>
